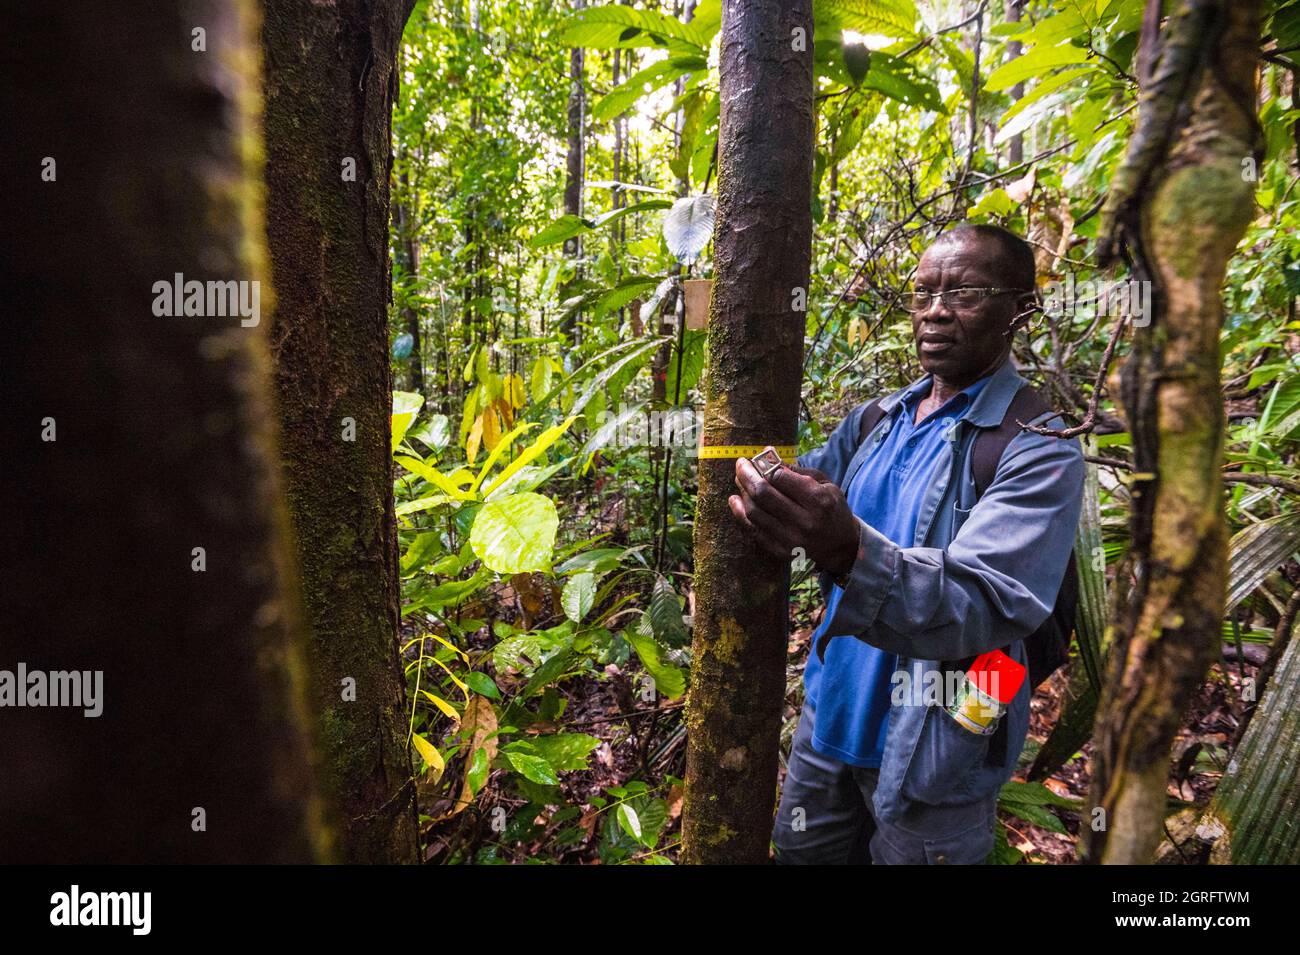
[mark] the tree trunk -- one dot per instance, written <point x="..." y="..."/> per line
<point x="574" y="172"/>
<point x="1254" y="809"/>
<point x="1016" y="145"/>
<point x="407" y="235"/>
<point x="143" y="436"/>
<point x="330" y="87"/>
<point x="1190" y="204"/>
<point x="763" y="246"/>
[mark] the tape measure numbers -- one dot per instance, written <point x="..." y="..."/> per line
<point x="788" y="452"/>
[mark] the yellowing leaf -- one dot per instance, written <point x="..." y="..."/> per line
<point x="491" y="428"/>
<point x="475" y="438"/>
<point x="530" y="454"/>
<point x="442" y="704"/>
<point x="429" y="752"/>
<point x="514" y="391"/>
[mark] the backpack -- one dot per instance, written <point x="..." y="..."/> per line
<point x="1048" y="647"/>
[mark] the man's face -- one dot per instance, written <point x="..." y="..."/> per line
<point x="961" y="345"/>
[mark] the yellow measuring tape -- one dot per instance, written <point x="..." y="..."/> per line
<point x="788" y="452"/>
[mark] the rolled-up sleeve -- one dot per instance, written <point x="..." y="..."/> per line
<point x="998" y="579"/>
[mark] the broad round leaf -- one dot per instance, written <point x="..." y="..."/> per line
<point x="515" y="534"/>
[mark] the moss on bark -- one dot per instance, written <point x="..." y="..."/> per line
<point x="763" y="244"/>
<point x="330" y="87"/>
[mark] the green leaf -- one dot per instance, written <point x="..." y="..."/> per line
<point x="607" y="27"/>
<point x="994" y="202"/>
<point x="579" y="594"/>
<point x="564" y="751"/>
<point x="666" y="614"/>
<point x="1037" y="62"/>
<point x="435" y="433"/>
<point x="655" y="76"/>
<point x="895" y="18"/>
<point x="482" y="684"/>
<point x="515" y="534"/>
<point x="532" y="767"/>
<point x="478" y="770"/>
<point x="529" y="454"/>
<point x="406" y="405"/>
<point x="539" y="379"/>
<point x="629" y="821"/>
<point x="857" y="60"/>
<point x="565" y="227"/>
<point x="669" y="680"/>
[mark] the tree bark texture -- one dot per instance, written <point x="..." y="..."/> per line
<point x="763" y="246"/>
<point x="1190" y="204"/>
<point x="139" y="437"/>
<point x="330" y="90"/>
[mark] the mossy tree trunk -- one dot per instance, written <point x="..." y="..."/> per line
<point x="146" y="540"/>
<point x="1187" y="173"/>
<point x="763" y="245"/>
<point x="330" y="89"/>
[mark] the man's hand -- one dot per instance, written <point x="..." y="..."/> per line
<point x="797" y="507"/>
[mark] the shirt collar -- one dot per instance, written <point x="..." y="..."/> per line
<point x="989" y="397"/>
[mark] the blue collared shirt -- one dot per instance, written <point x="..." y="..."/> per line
<point x="850" y="690"/>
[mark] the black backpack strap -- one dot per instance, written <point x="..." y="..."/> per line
<point x="871" y="416"/>
<point x="1027" y="405"/>
<point x="987" y="451"/>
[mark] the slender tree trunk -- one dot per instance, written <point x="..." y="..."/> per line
<point x="330" y="88"/>
<point x="146" y="541"/>
<point x="575" y="169"/>
<point x="1016" y="145"/>
<point x="763" y="247"/>
<point x="1190" y="204"/>
<point x="406" y="233"/>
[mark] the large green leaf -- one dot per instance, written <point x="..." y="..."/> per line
<point x="607" y="27"/>
<point x="578" y="596"/>
<point x="895" y="18"/>
<point x="1037" y="62"/>
<point x="515" y="534"/>
<point x="666" y="614"/>
<point x="655" y="76"/>
<point x="669" y="680"/>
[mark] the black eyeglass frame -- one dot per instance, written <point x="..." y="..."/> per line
<point x="908" y="298"/>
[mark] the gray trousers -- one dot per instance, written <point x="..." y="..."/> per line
<point x="826" y="818"/>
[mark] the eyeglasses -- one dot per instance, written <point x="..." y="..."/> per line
<point x="960" y="299"/>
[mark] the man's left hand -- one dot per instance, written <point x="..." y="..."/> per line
<point x="797" y="507"/>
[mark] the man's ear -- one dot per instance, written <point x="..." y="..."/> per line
<point x="1027" y="306"/>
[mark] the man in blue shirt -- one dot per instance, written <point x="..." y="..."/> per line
<point x="926" y="572"/>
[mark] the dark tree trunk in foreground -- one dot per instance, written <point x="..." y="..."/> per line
<point x="1181" y="202"/>
<point x="330" y="88"/>
<point x="161" y="444"/>
<point x="763" y="245"/>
